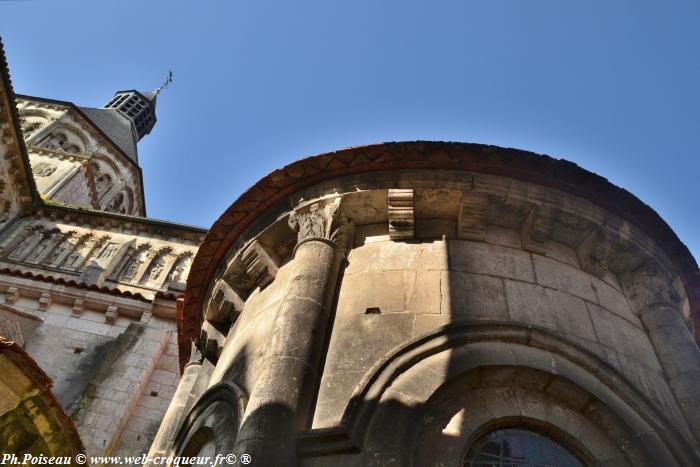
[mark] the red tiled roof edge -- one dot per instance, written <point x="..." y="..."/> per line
<point x="82" y="285"/>
<point x="512" y="163"/>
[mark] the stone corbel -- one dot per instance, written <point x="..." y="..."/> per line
<point x="596" y="252"/>
<point x="111" y="314"/>
<point x="255" y="266"/>
<point x="472" y="219"/>
<point x="11" y="295"/>
<point x="400" y="207"/>
<point x="44" y="301"/>
<point x="649" y="285"/>
<point x="211" y="342"/>
<point x="224" y="307"/>
<point x="78" y="307"/>
<point x="537" y="229"/>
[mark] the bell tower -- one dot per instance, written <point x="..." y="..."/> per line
<point x="138" y="107"/>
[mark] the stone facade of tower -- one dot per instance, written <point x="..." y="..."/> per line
<point x="74" y="162"/>
<point x="409" y="303"/>
<point x="88" y="286"/>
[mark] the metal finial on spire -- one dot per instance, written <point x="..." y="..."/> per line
<point x="168" y="80"/>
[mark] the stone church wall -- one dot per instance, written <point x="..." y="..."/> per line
<point x="396" y="317"/>
<point x="104" y="373"/>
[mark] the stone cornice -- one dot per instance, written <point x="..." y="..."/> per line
<point x="121" y="222"/>
<point x="520" y="165"/>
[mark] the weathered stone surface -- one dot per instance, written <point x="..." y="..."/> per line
<point x="434" y="341"/>
<point x="384" y="290"/>
<point x="549" y="308"/>
<point x="563" y="277"/>
<point x="623" y="336"/>
<point x="475" y="296"/>
<point x="490" y="259"/>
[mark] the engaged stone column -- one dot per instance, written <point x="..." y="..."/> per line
<point x="280" y="402"/>
<point x="177" y="410"/>
<point x="658" y="305"/>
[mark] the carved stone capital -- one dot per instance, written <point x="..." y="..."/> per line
<point x="327" y="222"/>
<point x="649" y="285"/>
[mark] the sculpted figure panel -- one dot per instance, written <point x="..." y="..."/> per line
<point x="108" y="251"/>
<point x="44" y="169"/>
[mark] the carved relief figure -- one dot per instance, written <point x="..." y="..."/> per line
<point x="132" y="267"/>
<point x="329" y="223"/>
<point x="40" y="248"/>
<point x="72" y="259"/>
<point x="44" y="169"/>
<point x="108" y="251"/>
<point x="176" y="275"/>
<point x="58" y="251"/>
<point x="82" y="248"/>
<point x="156" y="270"/>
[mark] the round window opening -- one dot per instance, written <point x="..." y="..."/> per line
<point x="515" y="447"/>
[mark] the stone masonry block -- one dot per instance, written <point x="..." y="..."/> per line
<point x="548" y="308"/>
<point x="475" y="296"/>
<point x="383" y="290"/>
<point x="384" y="256"/>
<point x="619" y="334"/>
<point x="359" y="340"/>
<point x="423" y="293"/>
<point x="563" y="277"/>
<point x="615" y="301"/>
<point x="482" y="258"/>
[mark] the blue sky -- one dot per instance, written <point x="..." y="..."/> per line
<point x="611" y="85"/>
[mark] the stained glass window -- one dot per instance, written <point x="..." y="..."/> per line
<point x="514" y="447"/>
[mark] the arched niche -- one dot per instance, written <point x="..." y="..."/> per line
<point x="64" y="138"/>
<point x="121" y="201"/>
<point x="428" y="400"/>
<point x="105" y="175"/>
<point x="32" y="121"/>
<point x="212" y="425"/>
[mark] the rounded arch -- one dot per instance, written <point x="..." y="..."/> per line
<point x="108" y="162"/>
<point x="569" y="444"/>
<point x="404" y="383"/>
<point x="35" y="113"/>
<point x="73" y="139"/>
<point x="213" y="422"/>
